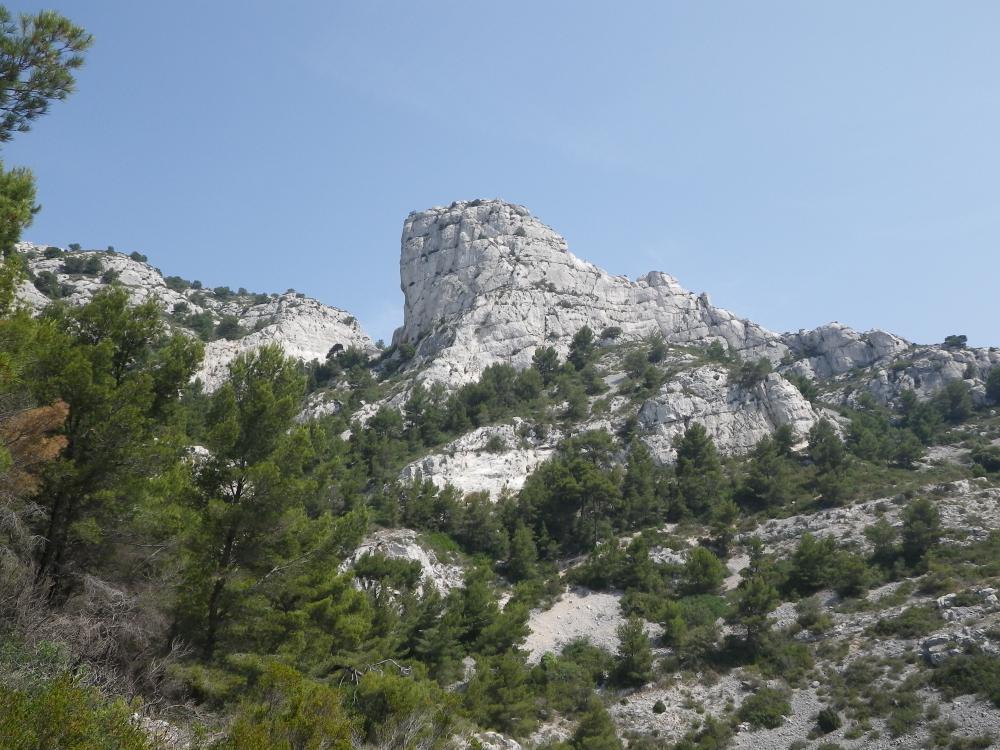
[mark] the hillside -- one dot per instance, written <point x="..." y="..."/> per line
<point x="563" y="509"/>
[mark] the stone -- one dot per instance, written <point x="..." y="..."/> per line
<point x="490" y="459"/>
<point x="925" y="370"/>
<point x="404" y="544"/>
<point x="304" y="328"/>
<point x="834" y="349"/>
<point x="496" y="741"/>
<point x="735" y="417"/>
<point x="486" y="282"/>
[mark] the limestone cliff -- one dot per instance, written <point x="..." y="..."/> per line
<point x="486" y="282"/>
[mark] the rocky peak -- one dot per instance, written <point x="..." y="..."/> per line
<point x="486" y="282"/>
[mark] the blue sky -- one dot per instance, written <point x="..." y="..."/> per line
<point x="800" y="162"/>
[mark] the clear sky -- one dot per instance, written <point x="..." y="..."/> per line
<point x="800" y="161"/>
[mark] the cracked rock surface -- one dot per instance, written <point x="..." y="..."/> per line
<point x="486" y="282"/>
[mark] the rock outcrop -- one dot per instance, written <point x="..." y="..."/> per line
<point x="305" y="328"/>
<point x="925" y="370"/>
<point x="834" y="349"/>
<point x="887" y="365"/>
<point x="490" y="459"/>
<point x="404" y="544"/>
<point x="734" y="415"/>
<point x="486" y="282"/>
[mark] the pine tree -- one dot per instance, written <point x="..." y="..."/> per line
<point x="756" y="599"/>
<point x="639" y="488"/>
<point x="595" y="731"/>
<point x="993" y="385"/>
<point x="699" y="477"/>
<point x="723" y="525"/>
<point x="770" y="480"/>
<point x="523" y="562"/>
<point x="244" y="489"/>
<point x="812" y="564"/>
<point x="120" y="374"/>
<point x="954" y="401"/>
<point x="827" y="452"/>
<point x="500" y="694"/>
<point x="826" y="449"/>
<point x="921" y="530"/>
<point x="634" y="662"/>
<point x="582" y="348"/>
<point x="907" y="449"/>
<point x="546" y="361"/>
<point x="703" y="572"/>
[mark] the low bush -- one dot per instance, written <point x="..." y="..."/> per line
<point x="911" y="623"/>
<point x="828" y="720"/>
<point x="969" y="674"/>
<point x="63" y="714"/>
<point x="767" y="708"/>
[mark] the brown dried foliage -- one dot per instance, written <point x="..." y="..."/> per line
<point x="31" y="438"/>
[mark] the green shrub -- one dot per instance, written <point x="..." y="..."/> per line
<point x="828" y="720"/>
<point x="48" y="284"/>
<point x="176" y="283"/>
<point x="969" y="674"/>
<point x="496" y="444"/>
<point x="229" y="328"/>
<point x="767" y="708"/>
<point x="201" y="323"/>
<point x="810" y="615"/>
<point x="68" y="716"/>
<point x="659" y="707"/>
<point x="87" y="265"/>
<point x="288" y="712"/>
<point x="754" y="373"/>
<point x="910" y="623"/>
<point x="987" y="456"/>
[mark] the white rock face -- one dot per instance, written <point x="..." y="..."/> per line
<point x="486" y="282"/>
<point x="927" y="369"/>
<point x="141" y="279"/>
<point x="472" y="464"/>
<point x="894" y="364"/>
<point x="404" y="544"/>
<point x="834" y="349"/>
<point x="304" y="328"/>
<point x="496" y="741"/>
<point x="736" y="418"/>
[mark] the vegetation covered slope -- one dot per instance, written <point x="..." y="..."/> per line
<point x="182" y="569"/>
